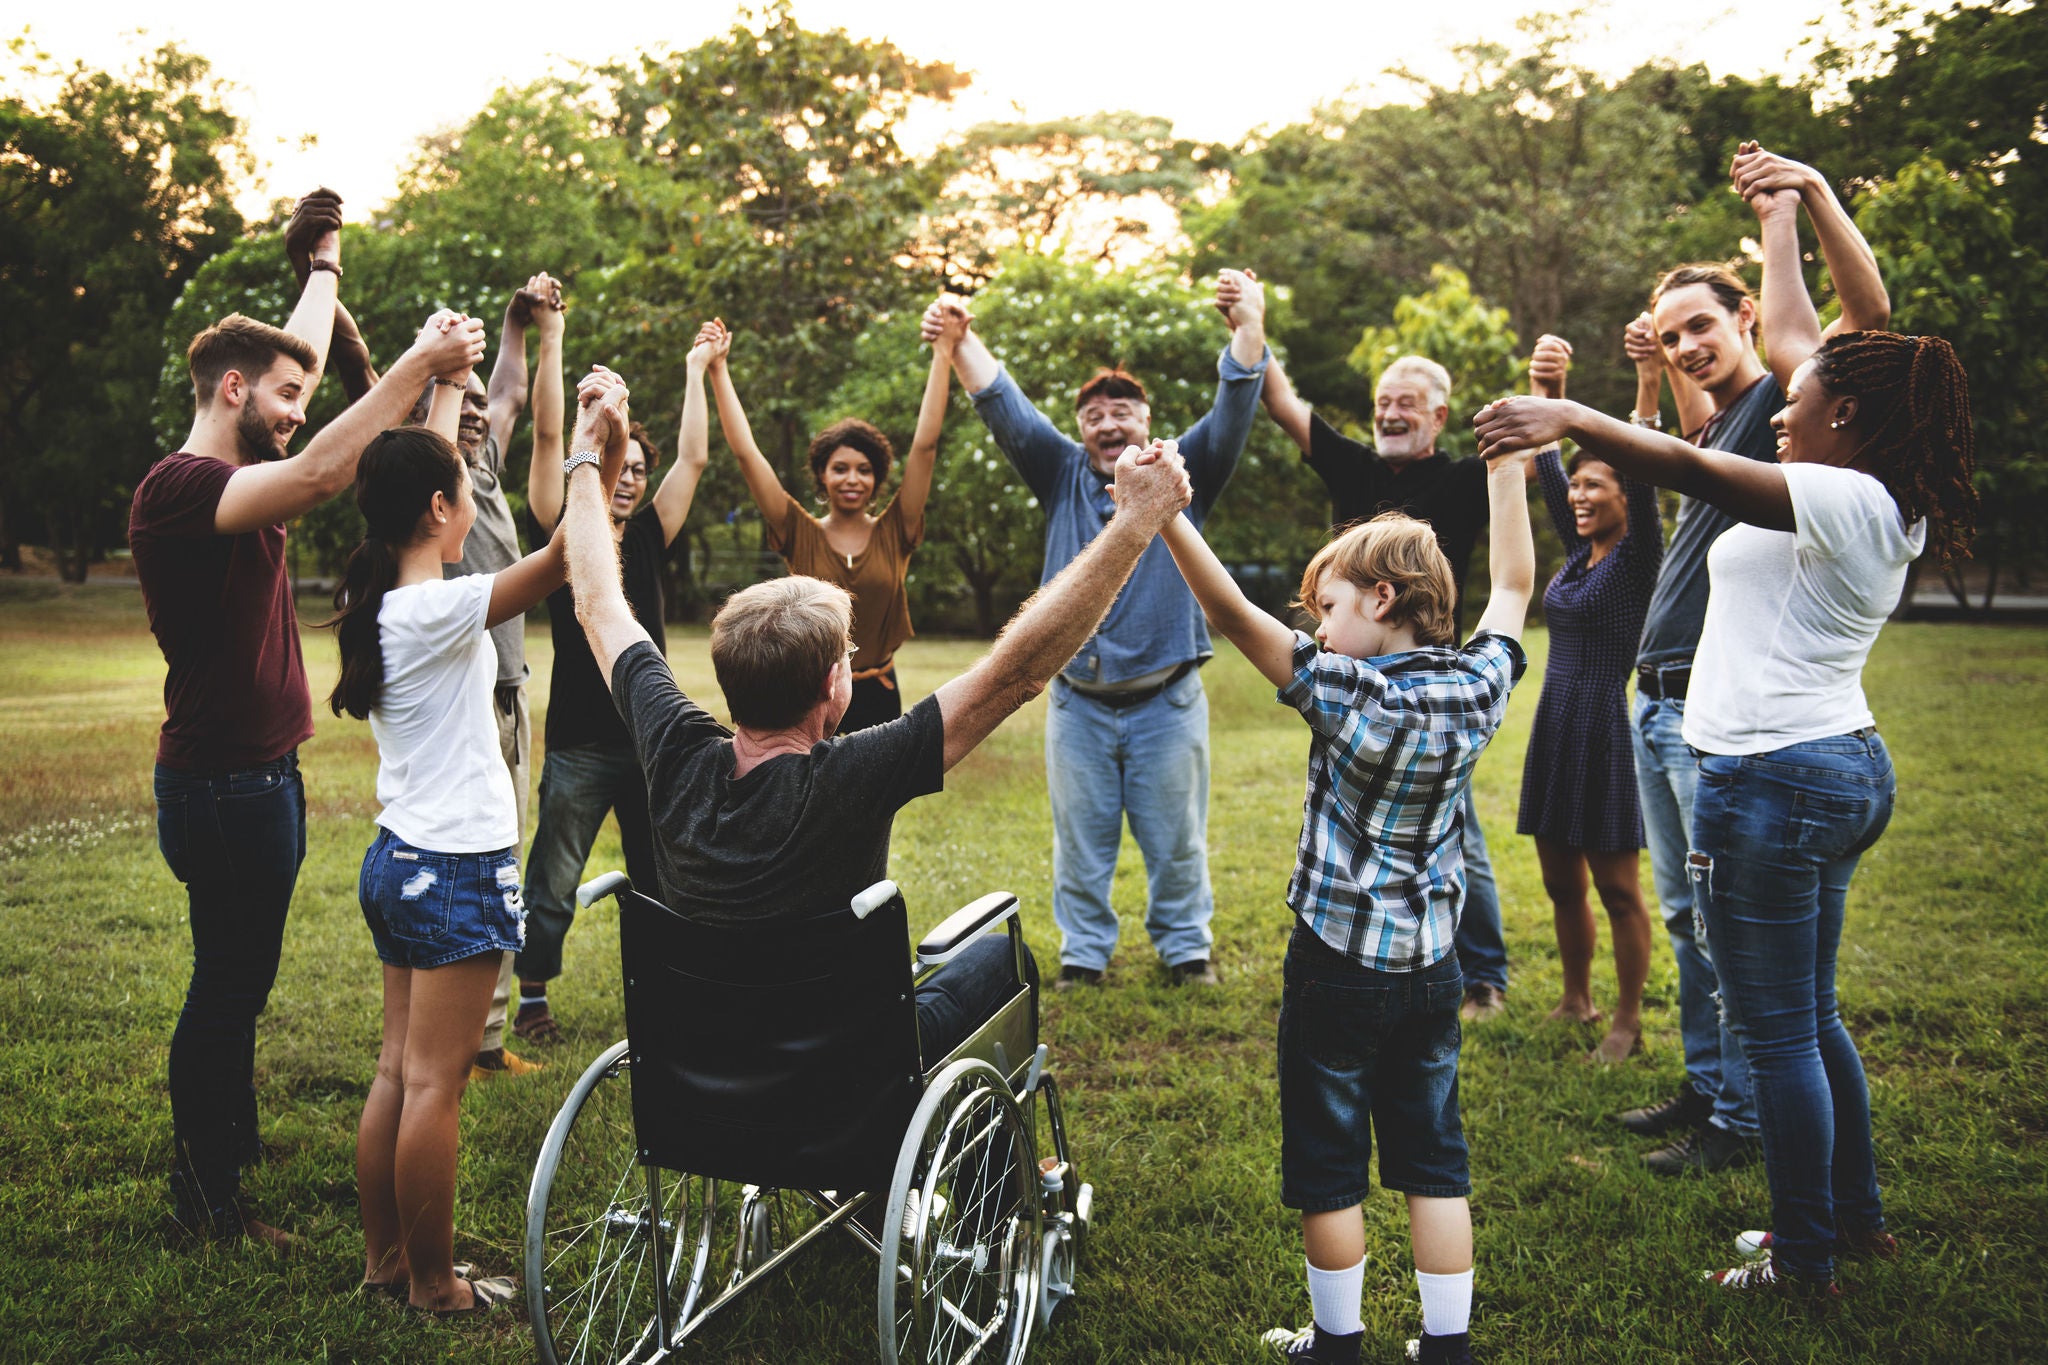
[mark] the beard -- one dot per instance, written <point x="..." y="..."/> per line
<point x="258" y="441"/>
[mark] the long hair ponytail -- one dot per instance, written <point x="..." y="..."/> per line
<point x="1913" y="406"/>
<point x="396" y="479"/>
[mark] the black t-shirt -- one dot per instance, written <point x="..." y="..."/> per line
<point x="799" y="835"/>
<point x="1678" y="605"/>
<point x="580" y="710"/>
<point x="1448" y="494"/>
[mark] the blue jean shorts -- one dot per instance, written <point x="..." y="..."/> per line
<point x="429" y="909"/>
<point x="1365" y="1053"/>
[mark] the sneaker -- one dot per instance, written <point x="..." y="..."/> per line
<point x="1763" y="1276"/>
<point x="1071" y="976"/>
<point x="1879" y="1245"/>
<point x="1705" y="1149"/>
<point x="1311" y="1347"/>
<point x="1687" y="1109"/>
<point x="1196" y="971"/>
<point x="1454" y="1348"/>
<point x="500" y="1061"/>
<point x="1482" y="1002"/>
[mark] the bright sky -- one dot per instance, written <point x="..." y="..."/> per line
<point x="365" y="80"/>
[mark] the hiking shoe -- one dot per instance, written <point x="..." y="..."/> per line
<point x="1687" y="1109"/>
<point x="1071" y="976"/>
<point x="1880" y="1245"/>
<point x="1482" y="1002"/>
<point x="1453" y="1348"/>
<point x="1705" y="1149"/>
<point x="1309" y="1346"/>
<point x="1196" y="971"/>
<point x="536" y="1025"/>
<point x="499" y="1061"/>
<point x="1762" y="1277"/>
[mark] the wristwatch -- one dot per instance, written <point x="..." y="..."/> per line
<point x="581" y="457"/>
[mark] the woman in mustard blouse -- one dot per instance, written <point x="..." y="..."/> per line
<point x="863" y="551"/>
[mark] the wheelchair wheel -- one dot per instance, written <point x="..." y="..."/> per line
<point x="604" y="1235"/>
<point x="961" y="1243"/>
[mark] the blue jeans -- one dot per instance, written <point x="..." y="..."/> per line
<point x="1776" y="837"/>
<point x="236" y="841"/>
<point x="964" y="994"/>
<point x="577" y="787"/>
<point x="1666" y="773"/>
<point x="1150" y="762"/>
<point x="1482" y="949"/>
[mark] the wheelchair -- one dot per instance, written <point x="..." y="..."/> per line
<point x="771" y="1089"/>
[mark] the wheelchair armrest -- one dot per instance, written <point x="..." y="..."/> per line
<point x="963" y="926"/>
<point x="874" y="898"/>
<point x="597" y="888"/>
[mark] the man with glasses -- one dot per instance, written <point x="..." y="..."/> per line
<point x="590" y="767"/>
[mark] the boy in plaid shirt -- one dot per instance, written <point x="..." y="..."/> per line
<point x="1369" y="1016"/>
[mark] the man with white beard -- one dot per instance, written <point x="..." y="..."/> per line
<point x="1403" y="471"/>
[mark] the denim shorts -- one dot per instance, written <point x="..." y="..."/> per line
<point x="430" y="909"/>
<point x="1359" y="1045"/>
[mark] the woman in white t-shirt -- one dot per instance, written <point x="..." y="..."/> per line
<point x="440" y="884"/>
<point x="1876" y="454"/>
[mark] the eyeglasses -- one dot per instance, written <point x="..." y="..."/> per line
<point x="634" y="472"/>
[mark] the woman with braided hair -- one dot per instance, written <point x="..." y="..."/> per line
<point x="1876" y="453"/>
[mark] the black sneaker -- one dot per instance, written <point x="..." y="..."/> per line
<point x="1687" y="1109"/>
<point x="1312" y="1347"/>
<point x="1194" y="972"/>
<point x="1454" y="1348"/>
<point x="1709" y="1148"/>
<point x="1071" y="976"/>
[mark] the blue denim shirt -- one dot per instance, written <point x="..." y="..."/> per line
<point x="1155" y="622"/>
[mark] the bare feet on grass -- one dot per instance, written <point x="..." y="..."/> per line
<point x="1619" y="1045"/>
<point x="1570" y="1011"/>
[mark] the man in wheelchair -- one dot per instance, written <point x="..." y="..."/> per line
<point x="764" y="837"/>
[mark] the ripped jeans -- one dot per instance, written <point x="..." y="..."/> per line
<point x="429" y="909"/>
<point x="1776" y="837"/>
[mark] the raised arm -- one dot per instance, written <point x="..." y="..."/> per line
<point x="1749" y="490"/>
<point x="931" y="418"/>
<point x="518" y="588"/>
<point x="972" y="361"/>
<point x="349" y="360"/>
<point x="505" y="395"/>
<point x="1213" y="444"/>
<point x="1035" y="448"/>
<point x="314" y="234"/>
<point x="1511" y="548"/>
<point x="760" y="475"/>
<point x="1852" y="265"/>
<point x="693" y="447"/>
<point x="1550" y="364"/>
<point x="601" y="608"/>
<point x="1152" y="487"/>
<point x="276" y="491"/>
<point x="1284" y="405"/>
<point x="1262" y="638"/>
<point x="544" y="473"/>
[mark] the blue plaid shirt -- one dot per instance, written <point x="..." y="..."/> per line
<point x="1380" y="872"/>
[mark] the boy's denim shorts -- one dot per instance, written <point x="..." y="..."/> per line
<point x="429" y="909"/>
<point x="1365" y="1052"/>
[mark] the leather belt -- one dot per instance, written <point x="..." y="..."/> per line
<point x="1663" y="682"/>
<point x="1118" y="701"/>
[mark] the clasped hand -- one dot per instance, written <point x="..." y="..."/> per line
<point x="604" y="421"/>
<point x="1510" y="426"/>
<point x="1152" y="483"/>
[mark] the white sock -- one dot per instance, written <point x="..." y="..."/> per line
<point x="1337" y="1296"/>
<point x="1446" y="1303"/>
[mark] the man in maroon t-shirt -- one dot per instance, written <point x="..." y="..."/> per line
<point x="208" y="532"/>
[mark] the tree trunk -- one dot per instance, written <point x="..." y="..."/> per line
<point x="1991" y="572"/>
<point x="10" y="549"/>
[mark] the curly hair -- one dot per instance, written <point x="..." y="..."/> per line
<point x="1913" y="404"/>
<point x="863" y="437"/>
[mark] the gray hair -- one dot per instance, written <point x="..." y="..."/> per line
<point x="1435" y="378"/>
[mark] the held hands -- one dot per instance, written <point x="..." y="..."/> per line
<point x="538" y="303"/>
<point x="1772" y="185"/>
<point x="450" y="344"/>
<point x="1240" y="297"/>
<point x="314" y="232"/>
<point x="713" y="344"/>
<point x="1514" y="426"/>
<point x="1152" y="484"/>
<point x="946" y="323"/>
<point x="1639" y="340"/>
<point x="1548" y="364"/>
<point x="603" y="422"/>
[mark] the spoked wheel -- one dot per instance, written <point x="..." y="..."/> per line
<point x="613" y="1249"/>
<point x="961" y="1240"/>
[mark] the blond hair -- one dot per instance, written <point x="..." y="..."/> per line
<point x="774" y="644"/>
<point x="1396" y="549"/>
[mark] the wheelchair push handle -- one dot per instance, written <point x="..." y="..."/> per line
<point x="597" y="888"/>
<point x="963" y="926"/>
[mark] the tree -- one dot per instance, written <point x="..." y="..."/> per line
<point x="112" y="194"/>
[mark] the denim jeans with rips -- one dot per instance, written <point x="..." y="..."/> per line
<point x="236" y="841"/>
<point x="1666" y="774"/>
<point x="1776" y="837"/>
<point x="578" y="786"/>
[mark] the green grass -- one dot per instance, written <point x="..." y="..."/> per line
<point x="1582" y="1255"/>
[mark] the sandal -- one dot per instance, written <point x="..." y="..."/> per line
<point x="538" y="1027"/>
<point x="484" y="1295"/>
<point x="402" y="1286"/>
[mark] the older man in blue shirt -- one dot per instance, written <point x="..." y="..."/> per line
<point x="1127" y="730"/>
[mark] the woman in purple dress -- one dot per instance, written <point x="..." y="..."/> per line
<point x="1579" y="781"/>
